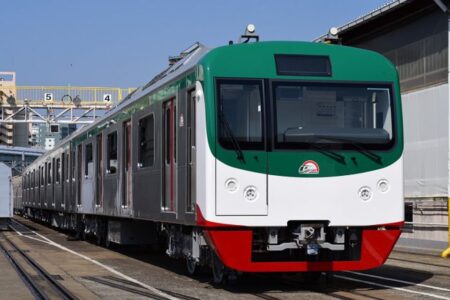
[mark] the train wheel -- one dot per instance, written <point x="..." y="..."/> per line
<point x="218" y="269"/>
<point x="191" y="266"/>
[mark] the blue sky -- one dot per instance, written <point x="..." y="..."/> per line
<point x="125" y="43"/>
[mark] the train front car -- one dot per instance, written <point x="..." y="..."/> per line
<point x="300" y="164"/>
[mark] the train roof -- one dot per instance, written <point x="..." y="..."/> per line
<point x="240" y="55"/>
<point x="183" y="63"/>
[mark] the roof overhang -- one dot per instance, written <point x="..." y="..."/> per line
<point x="382" y="18"/>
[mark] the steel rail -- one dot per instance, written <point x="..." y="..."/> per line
<point x="28" y="281"/>
<point x="60" y="289"/>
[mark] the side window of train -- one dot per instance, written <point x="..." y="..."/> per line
<point x="72" y="170"/>
<point x="58" y="170"/>
<point x="33" y="178"/>
<point x="40" y="176"/>
<point x="111" y="153"/>
<point x="88" y="166"/>
<point x="43" y="175"/>
<point x="49" y="173"/>
<point x="66" y="173"/>
<point x="146" y="153"/>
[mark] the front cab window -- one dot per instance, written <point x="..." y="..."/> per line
<point x="240" y="114"/>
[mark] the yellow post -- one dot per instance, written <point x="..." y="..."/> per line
<point x="446" y="253"/>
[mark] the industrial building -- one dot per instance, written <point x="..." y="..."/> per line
<point x="11" y="134"/>
<point x="46" y="136"/>
<point x="414" y="35"/>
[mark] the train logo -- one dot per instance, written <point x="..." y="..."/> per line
<point x="309" y="167"/>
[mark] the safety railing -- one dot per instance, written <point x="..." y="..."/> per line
<point x="62" y="95"/>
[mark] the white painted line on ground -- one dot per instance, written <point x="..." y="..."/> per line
<point x="401" y="281"/>
<point x="110" y="269"/>
<point x="392" y="287"/>
<point x="30" y="237"/>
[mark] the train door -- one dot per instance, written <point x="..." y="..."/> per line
<point x="79" y="173"/>
<point x="99" y="172"/>
<point x="33" y="187"/>
<point x="73" y="186"/>
<point x="127" y="169"/>
<point x="66" y="179"/>
<point x="191" y="152"/>
<point x="51" y="183"/>
<point x="62" y="178"/>
<point x="44" y="184"/>
<point x="88" y="182"/>
<point x="169" y="156"/>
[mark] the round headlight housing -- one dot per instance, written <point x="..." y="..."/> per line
<point x="250" y="193"/>
<point x="231" y="185"/>
<point x="383" y="185"/>
<point x="365" y="193"/>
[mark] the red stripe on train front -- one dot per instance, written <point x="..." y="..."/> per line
<point x="234" y="248"/>
<point x="233" y="245"/>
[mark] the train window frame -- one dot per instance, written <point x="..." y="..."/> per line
<point x="109" y="152"/>
<point x="66" y="166"/>
<point x="45" y="174"/>
<point x="253" y="145"/>
<point x="49" y="173"/>
<point x="72" y="164"/>
<point x="341" y="146"/>
<point x="41" y="176"/>
<point x="142" y="152"/>
<point x="58" y="170"/>
<point x="88" y="149"/>
<point x="33" y="179"/>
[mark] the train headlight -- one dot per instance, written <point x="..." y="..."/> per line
<point x="250" y="193"/>
<point x="383" y="185"/>
<point x="231" y="185"/>
<point x="333" y="31"/>
<point x="365" y="193"/>
<point x="251" y="28"/>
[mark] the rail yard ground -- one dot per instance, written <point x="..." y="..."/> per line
<point x="87" y="271"/>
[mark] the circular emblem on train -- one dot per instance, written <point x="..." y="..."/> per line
<point x="309" y="167"/>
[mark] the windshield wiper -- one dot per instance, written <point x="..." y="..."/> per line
<point x="309" y="136"/>
<point x="328" y="152"/>
<point x="234" y="142"/>
<point x="363" y="150"/>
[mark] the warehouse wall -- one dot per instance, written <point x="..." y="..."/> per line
<point x="425" y="119"/>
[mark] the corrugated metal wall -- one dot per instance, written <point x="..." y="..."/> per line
<point x="417" y="48"/>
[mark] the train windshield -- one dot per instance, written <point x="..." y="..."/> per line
<point x="340" y="115"/>
<point x="304" y="115"/>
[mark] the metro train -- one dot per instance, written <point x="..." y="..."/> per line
<point x="250" y="157"/>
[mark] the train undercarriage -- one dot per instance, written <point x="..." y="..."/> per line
<point x="309" y="247"/>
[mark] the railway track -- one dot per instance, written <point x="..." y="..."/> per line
<point x="41" y="284"/>
<point x="390" y="281"/>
